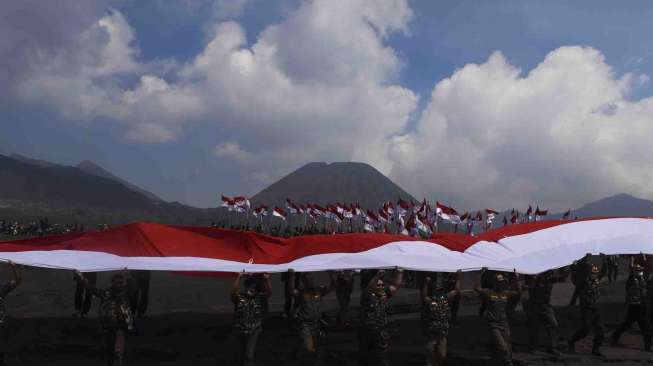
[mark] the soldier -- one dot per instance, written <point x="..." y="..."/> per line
<point x="436" y="316"/>
<point x="83" y="297"/>
<point x="636" y="302"/>
<point x="373" y="334"/>
<point x="249" y="310"/>
<point x="588" y="295"/>
<point x="344" y="288"/>
<point x="290" y="301"/>
<point x="5" y="290"/>
<point x="139" y="291"/>
<point x="579" y="271"/>
<point x="452" y="280"/>
<point x="539" y="309"/>
<point x="115" y="316"/>
<point x="612" y="265"/>
<point x="496" y="300"/>
<point x="309" y="312"/>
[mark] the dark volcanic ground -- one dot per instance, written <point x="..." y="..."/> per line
<point x="189" y="324"/>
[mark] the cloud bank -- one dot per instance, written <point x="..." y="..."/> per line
<point x="323" y="85"/>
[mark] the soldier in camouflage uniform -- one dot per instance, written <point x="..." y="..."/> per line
<point x="637" y="310"/>
<point x="7" y="288"/>
<point x="309" y="313"/>
<point x="344" y="288"/>
<point x="373" y="334"/>
<point x="115" y="316"/>
<point x="496" y="300"/>
<point x="588" y="295"/>
<point x="579" y="271"/>
<point x="539" y="310"/>
<point x="612" y="266"/>
<point x="249" y="310"/>
<point x="451" y="280"/>
<point x="436" y="316"/>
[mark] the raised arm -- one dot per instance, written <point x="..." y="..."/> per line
<point x="290" y="285"/>
<point x="267" y="285"/>
<point x="235" y="287"/>
<point x="456" y="287"/>
<point x="424" y="291"/>
<point x="396" y="283"/>
<point x="517" y="283"/>
<point x="16" y="274"/>
<point x="477" y="284"/>
<point x="89" y="287"/>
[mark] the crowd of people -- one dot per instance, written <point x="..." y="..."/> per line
<point x="40" y="227"/>
<point x="440" y="294"/>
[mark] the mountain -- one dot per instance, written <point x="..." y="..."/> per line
<point x="70" y="193"/>
<point x="323" y="183"/>
<point x="619" y="205"/>
<point x="94" y="169"/>
<point x="28" y="160"/>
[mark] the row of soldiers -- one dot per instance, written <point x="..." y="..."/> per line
<point x="440" y="297"/>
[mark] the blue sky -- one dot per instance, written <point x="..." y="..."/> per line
<point x="212" y="154"/>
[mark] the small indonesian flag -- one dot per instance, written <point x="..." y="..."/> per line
<point x="278" y="212"/>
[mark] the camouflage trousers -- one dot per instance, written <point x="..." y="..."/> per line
<point x="373" y="347"/>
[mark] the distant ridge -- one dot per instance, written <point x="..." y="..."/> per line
<point x="28" y="160"/>
<point x="323" y="183"/>
<point x="618" y="205"/>
<point x="67" y="193"/>
<point x="94" y="169"/>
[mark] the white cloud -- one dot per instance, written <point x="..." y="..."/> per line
<point x="321" y="85"/>
<point x="560" y="135"/>
<point x="232" y="150"/>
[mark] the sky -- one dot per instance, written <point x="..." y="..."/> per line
<point x="495" y="104"/>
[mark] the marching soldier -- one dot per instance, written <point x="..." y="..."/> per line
<point x="309" y="312"/>
<point x="115" y="316"/>
<point x="588" y="295"/>
<point x="436" y="316"/>
<point x="579" y="271"/>
<point x="83" y="297"/>
<point x="373" y="335"/>
<point x="5" y="290"/>
<point x="637" y="309"/>
<point x="290" y="301"/>
<point x="451" y="281"/>
<point x="496" y="300"/>
<point x="539" y="309"/>
<point x="612" y="266"/>
<point x="344" y="288"/>
<point x="249" y="310"/>
<point x="139" y="291"/>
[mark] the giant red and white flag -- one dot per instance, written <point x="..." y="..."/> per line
<point x="529" y="248"/>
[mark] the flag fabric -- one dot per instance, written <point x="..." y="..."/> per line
<point x="226" y="201"/>
<point x="490" y="214"/>
<point x="539" y="213"/>
<point x="280" y="213"/>
<point x="529" y="248"/>
<point x="447" y="213"/>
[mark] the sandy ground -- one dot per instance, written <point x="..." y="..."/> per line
<point x="190" y="317"/>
